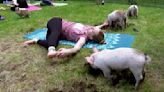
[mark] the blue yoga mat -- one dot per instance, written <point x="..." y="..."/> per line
<point x="112" y="40"/>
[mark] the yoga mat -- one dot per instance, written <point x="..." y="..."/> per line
<point x="112" y="40"/>
<point x="55" y="4"/>
<point x="33" y="8"/>
<point x="60" y="4"/>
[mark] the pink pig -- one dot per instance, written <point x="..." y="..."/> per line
<point x="119" y="59"/>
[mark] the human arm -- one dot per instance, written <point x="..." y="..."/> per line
<point x="65" y="52"/>
<point x="105" y="25"/>
<point x="78" y="45"/>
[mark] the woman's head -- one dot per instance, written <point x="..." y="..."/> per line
<point x="97" y="35"/>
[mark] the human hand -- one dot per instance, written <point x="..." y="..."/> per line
<point x="63" y="52"/>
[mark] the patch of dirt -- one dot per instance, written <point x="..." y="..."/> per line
<point x="14" y="64"/>
<point x="3" y="75"/>
<point x="76" y="86"/>
<point x="8" y="48"/>
<point x="4" y="46"/>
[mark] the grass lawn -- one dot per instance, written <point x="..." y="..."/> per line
<point x="29" y="69"/>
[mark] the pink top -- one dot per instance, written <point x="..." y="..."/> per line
<point x="73" y="31"/>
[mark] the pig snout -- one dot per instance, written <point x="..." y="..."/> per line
<point x="89" y="60"/>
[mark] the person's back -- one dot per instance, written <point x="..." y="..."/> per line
<point x="72" y="31"/>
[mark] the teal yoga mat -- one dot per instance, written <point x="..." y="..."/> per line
<point x="112" y="40"/>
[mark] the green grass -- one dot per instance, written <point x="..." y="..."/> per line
<point x="29" y="69"/>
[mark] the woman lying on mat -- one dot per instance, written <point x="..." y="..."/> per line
<point x="61" y="29"/>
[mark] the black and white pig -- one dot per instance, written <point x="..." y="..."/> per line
<point x="119" y="59"/>
<point x="132" y="11"/>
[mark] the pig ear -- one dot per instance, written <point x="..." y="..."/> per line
<point x="95" y="50"/>
<point x="89" y="60"/>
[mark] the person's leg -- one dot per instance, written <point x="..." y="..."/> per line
<point x="30" y="42"/>
<point x="22" y="4"/>
<point x="54" y="26"/>
<point x="54" y="31"/>
<point x="43" y="43"/>
<point x="53" y="35"/>
<point x="33" y="41"/>
<point x="13" y="8"/>
<point x="102" y="2"/>
<point x="52" y="38"/>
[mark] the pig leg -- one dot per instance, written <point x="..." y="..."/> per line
<point x="137" y="72"/>
<point x="143" y="73"/>
<point x="132" y="12"/>
<point x="135" y="13"/>
<point x="106" y="72"/>
<point x="110" y="22"/>
<point x="122" y="23"/>
<point x="125" y="22"/>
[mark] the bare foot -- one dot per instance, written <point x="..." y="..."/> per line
<point x="51" y="54"/>
<point x="29" y="42"/>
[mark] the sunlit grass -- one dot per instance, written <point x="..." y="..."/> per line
<point x="29" y="69"/>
